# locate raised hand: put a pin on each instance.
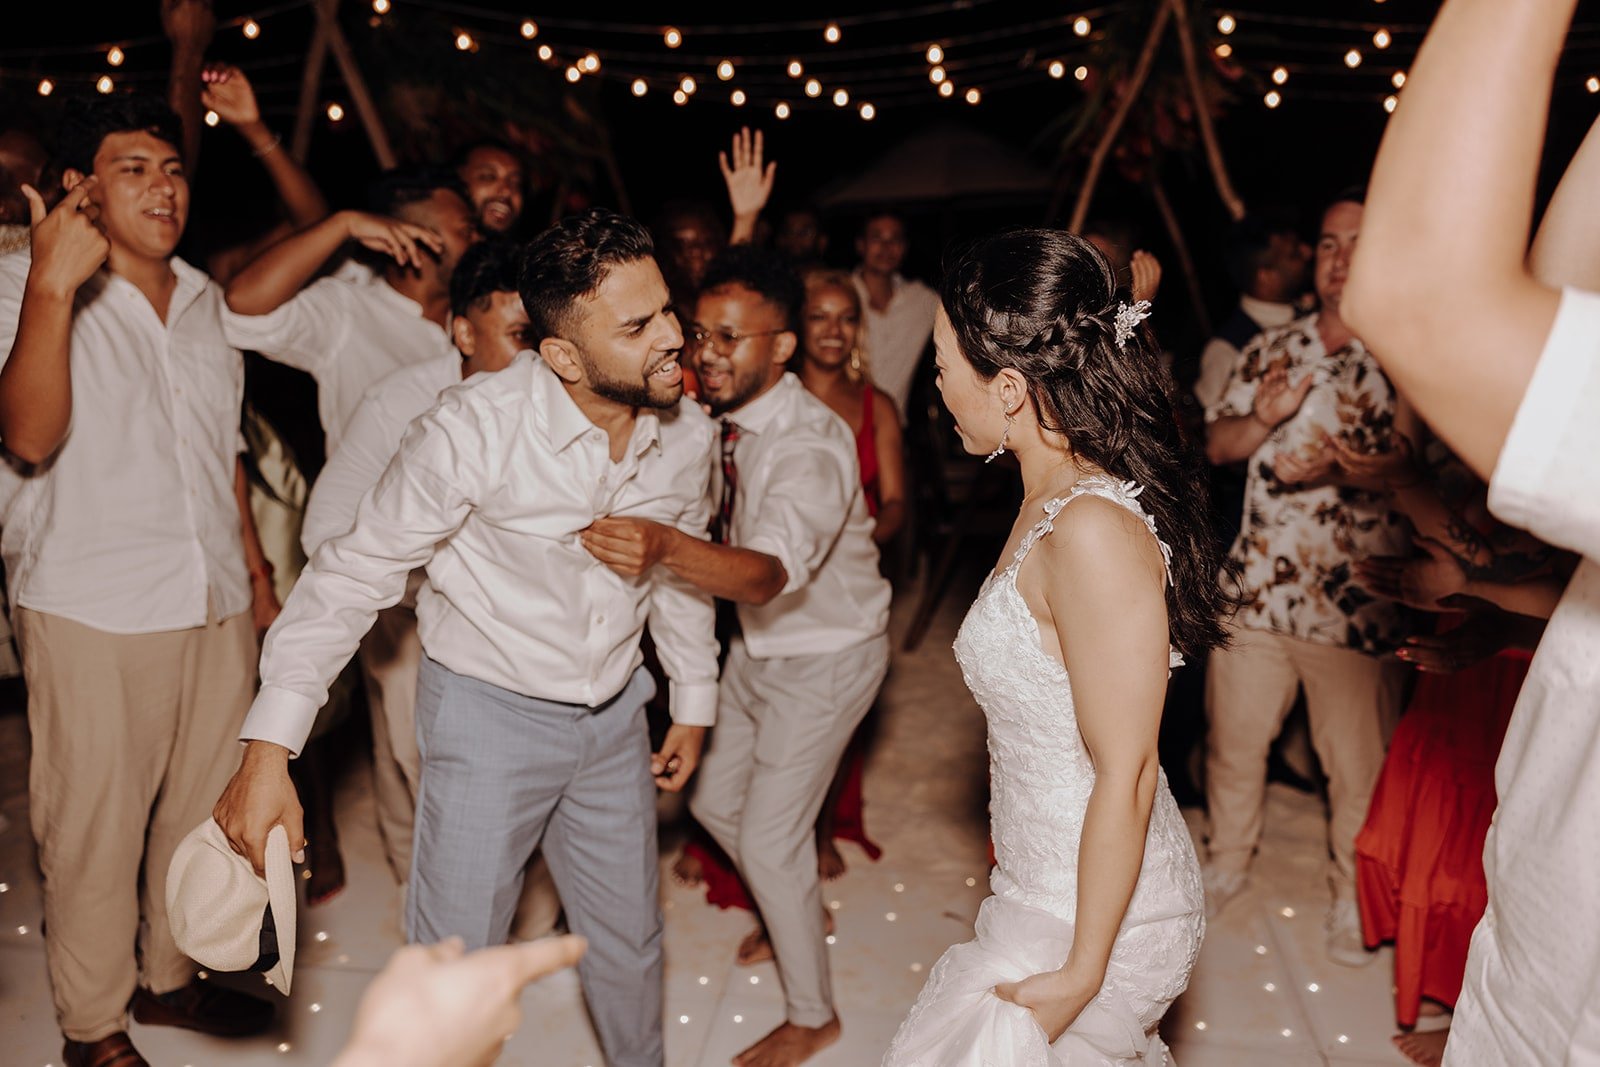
(227, 92)
(397, 239)
(68, 246)
(1276, 400)
(749, 182)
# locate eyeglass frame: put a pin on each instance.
(726, 340)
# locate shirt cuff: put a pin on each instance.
(692, 703)
(284, 718)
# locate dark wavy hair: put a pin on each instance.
(86, 123)
(571, 259)
(1044, 304)
(487, 268)
(399, 186)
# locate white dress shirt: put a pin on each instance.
(1220, 354)
(346, 336)
(897, 336)
(799, 498)
(1532, 987)
(133, 527)
(369, 442)
(489, 491)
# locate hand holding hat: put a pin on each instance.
(227, 917)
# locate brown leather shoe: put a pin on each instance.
(113, 1051)
(206, 1007)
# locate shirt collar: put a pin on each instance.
(758, 414)
(566, 422)
(1266, 312)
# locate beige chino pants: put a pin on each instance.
(1352, 703)
(134, 738)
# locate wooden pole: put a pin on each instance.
(1202, 113)
(1108, 138)
(371, 121)
(1180, 247)
(310, 84)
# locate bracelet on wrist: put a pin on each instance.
(271, 146)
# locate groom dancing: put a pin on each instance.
(798, 559)
(530, 698)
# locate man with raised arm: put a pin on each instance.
(531, 693)
(1501, 356)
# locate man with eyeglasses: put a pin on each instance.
(794, 551)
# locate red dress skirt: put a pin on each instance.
(1419, 857)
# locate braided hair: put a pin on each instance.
(1044, 303)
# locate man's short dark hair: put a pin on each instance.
(399, 186)
(1350, 194)
(86, 123)
(487, 268)
(571, 259)
(880, 211)
(767, 274)
(1248, 247)
(464, 152)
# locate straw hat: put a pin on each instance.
(225, 916)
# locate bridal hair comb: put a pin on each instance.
(1129, 316)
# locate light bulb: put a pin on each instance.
(251, 29)
(335, 113)
(1273, 98)
(782, 110)
(380, 7)
(464, 42)
(796, 68)
(46, 86)
(1352, 58)
(212, 118)
(1081, 73)
(868, 111)
(671, 37)
(831, 34)
(1223, 50)
(1280, 75)
(590, 63)
(935, 54)
(1081, 26)
(546, 53)
(115, 56)
(947, 88)
(737, 98)
(725, 69)
(1057, 69)
(1391, 102)
(640, 87)
(936, 75)
(688, 85)
(973, 96)
(1398, 80)
(1227, 24)
(573, 74)
(840, 98)
(813, 87)
(105, 84)
(1381, 39)
(679, 96)
(530, 29)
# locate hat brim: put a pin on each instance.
(281, 899)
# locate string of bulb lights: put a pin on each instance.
(833, 75)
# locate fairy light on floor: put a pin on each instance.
(755, 979)
(738, 1018)
(890, 916)
(530, 29)
(725, 70)
(251, 29)
(916, 968)
(283, 1046)
(1314, 987)
(1273, 99)
(1082, 26)
(1344, 1039)
(1286, 1032)
(1261, 950)
(704, 980)
(1287, 913)
(322, 935)
(315, 1008)
(335, 114)
(1201, 1025)
(935, 54)
(683, 1018)
(971, 882)
(1270, 987)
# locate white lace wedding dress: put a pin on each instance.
(1040, 778)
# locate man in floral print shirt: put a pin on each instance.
(1304, 622)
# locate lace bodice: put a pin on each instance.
(1041, 774)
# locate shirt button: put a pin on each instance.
(599, 620)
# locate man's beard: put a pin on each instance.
(640, 394)
(740, 392)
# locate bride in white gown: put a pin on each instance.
(1097, 910)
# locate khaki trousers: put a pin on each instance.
(1352, 703)
(390, 656)
(134, 738)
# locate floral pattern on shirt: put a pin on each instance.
(1296, 547)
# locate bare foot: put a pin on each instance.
(830, 864)
(789, 1045)
(326, 867)
(1426, 1049)
(688, 871)
(755, 948)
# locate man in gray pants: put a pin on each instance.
(798, 559)
(530, 697)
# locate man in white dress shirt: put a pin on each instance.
(348, 334)
(490, 326)
(530, 698)
(798, 559)
(134, 567)
(899, 310)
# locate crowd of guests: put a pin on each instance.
(493, 531)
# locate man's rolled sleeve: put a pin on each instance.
(808, 498)
(683, 619)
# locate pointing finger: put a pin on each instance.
(36, 208)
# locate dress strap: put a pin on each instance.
(1124, 494)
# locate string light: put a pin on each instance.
(796, 68)
(1391, 102)
(1227, 24)
(640, 87)
(1273, 98)
(335, 113)
(935, 54)
(530, 29)
(973, 96)
(840, 98)
(590, 63)
(1280, 75)
(1081, 73)
(251, 29)
(465, 43)
(936, 75)
(1399, 79)
(737, 98)
(782, 110)
(1081, 26)
(212, 118)
(46, 86)
(831, 34)
(688, 85)
(725, 69)
(115, 56)
(1593, 84)
(1224, 50)
(380, 7)
(1352, 58)
(546, 53)
(672, 37)
(573, 74)
(947, 88)
(679, 96)
(105, 84)
(1057, 69)
(1381, 39)
(868, 111)
(813, 88)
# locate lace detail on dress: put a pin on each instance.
(1040, 780)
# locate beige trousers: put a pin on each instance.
(1352, 703)
(134, 738)
(390, 656)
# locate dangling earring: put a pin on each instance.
(1000, 449)
(855, 360)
